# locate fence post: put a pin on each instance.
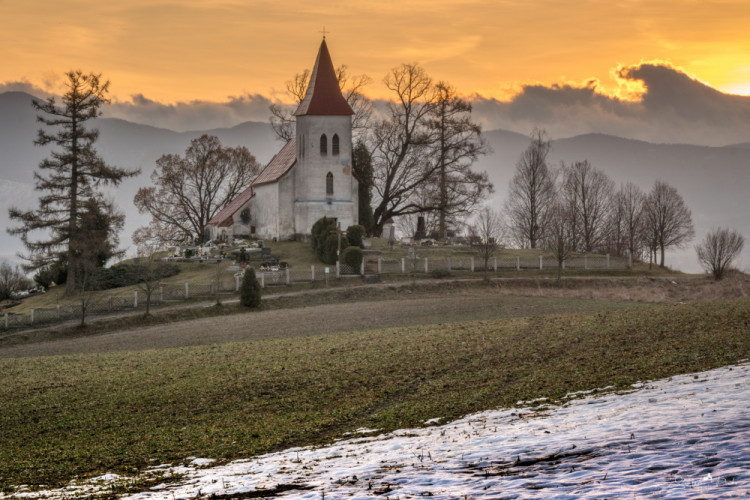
(187, 290)
(262, 280)
(287, 275)
(135, 299)
(403, 265)
(426, 265)
(362, 267)
(563, 264)
(607, 261)
(494, 263)
(518, 262)
(161, 294)
(472, 263)
(312, 273)
(380, 264)
(6, 320)
(541, 262)
(58, 311)
(338, 271)
(32, 316)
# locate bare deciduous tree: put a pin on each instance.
(588, 192)
(560, 237)
(12, 280)
(531, 192)
(188, 191)
(668, 220)
(401, 144)
(631, 201)
(422, 152)
(718, 250)
(489, 229)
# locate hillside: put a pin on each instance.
(713, 180)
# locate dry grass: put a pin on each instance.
(86, 414)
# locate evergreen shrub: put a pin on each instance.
(356, 235)
(250, 289)
(352, 257)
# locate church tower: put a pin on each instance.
(323, 181)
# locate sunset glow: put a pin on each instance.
(173, 51)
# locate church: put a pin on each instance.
(309, 178)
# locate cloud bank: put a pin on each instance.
(671, 108)
(668, 107)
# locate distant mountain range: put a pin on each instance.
(714, 181)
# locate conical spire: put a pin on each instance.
(323, 95)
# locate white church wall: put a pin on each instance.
(311, 199)
(264, 210)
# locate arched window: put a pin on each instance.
(335, 145)
(323, 145)
(329, 184)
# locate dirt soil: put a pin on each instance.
(397, 305)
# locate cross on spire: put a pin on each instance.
(324, 32)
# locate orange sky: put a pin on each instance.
(182, 50)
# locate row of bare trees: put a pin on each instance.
(578, 208)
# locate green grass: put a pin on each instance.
(82, 415)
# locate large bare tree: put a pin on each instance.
(352, 86)
(531, 193)
(423, 150)
(668, 221)
(188, 191)
(401, 144)
(718, 250)
(74, 172)
(588, 192)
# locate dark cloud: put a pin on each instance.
(673, 108)
(192, 115)
(24, 86)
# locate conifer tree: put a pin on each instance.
(71, 175)
(250, 294)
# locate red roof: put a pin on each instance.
(224, 217)
(279, 164)
(323, 95)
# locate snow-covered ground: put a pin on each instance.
(688, 436)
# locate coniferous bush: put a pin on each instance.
(352, 257)
(327, 252)
(320, 231)
(250, 289)
(356, 235)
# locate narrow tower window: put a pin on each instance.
(323, 145)
(329, 184)
(335, 145)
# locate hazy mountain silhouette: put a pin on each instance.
(714, 181)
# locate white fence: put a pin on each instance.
(177, 292)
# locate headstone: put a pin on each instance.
(421, 232)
